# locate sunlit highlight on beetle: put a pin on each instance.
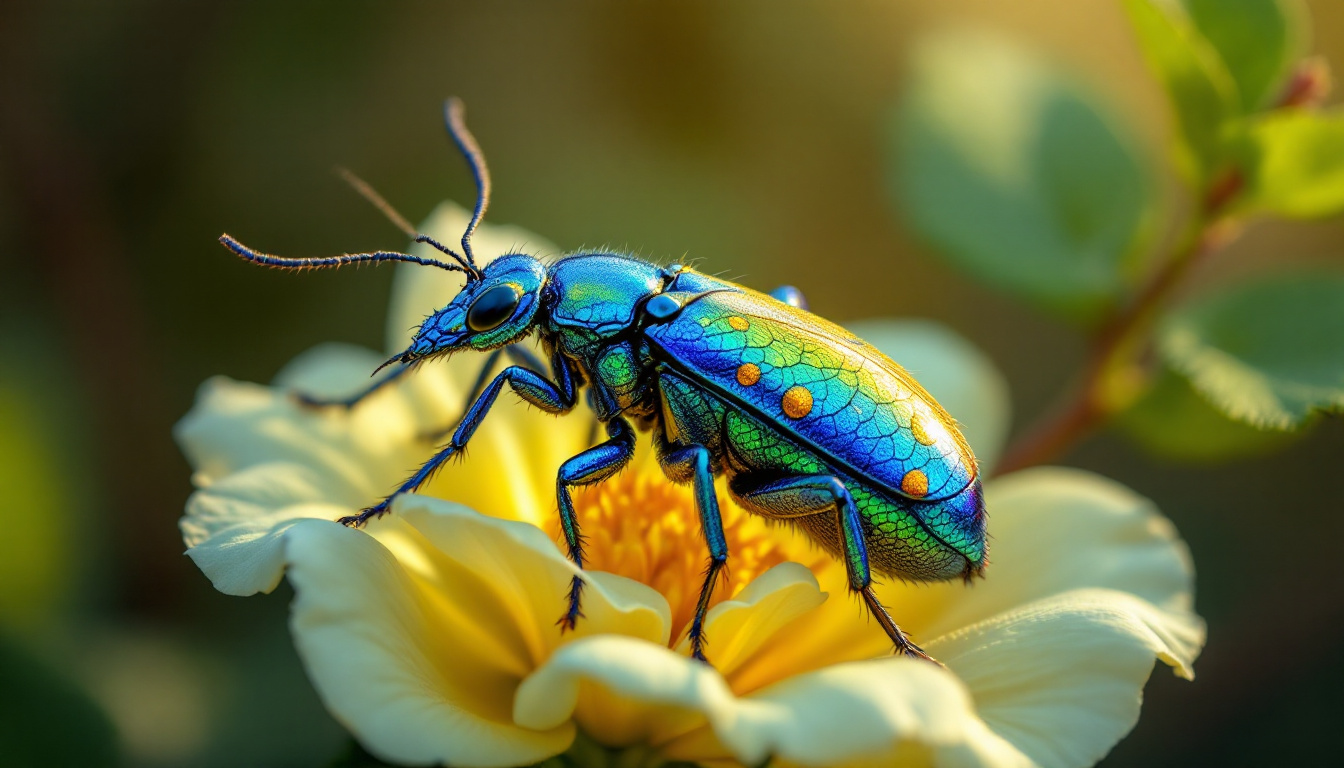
(811, 425)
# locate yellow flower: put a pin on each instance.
(432, 635)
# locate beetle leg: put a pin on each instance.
(790, 295)
(592, 466)
(795, 497)
(550, 397)
(517, 353)
(312, 401)
(694, 461)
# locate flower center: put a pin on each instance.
(642, 526)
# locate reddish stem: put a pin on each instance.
(1088, 408)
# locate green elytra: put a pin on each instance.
(811, 425)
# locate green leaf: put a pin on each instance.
(1294, 163)
(1016, 174)
(1202, 92)
(1172, 421)
(1258, 41)
(1268, 353)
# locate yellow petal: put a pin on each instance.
(1062, 678)
(621, 691)
(417, 635)
(624, 692)
(737, 628)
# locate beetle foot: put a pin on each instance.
(358, 521)
(915, 652)
(574, 612)
(697, 638)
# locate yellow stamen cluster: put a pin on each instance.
(641, 526)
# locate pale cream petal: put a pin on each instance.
(958, 375)
(623, 692)
(391, 662)
(234, 425)
(417, 633)
(1097, 533)
(881, 712)
(235, 528)
(1062, 678)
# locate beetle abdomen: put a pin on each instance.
(917, 540)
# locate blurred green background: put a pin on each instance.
(753, 136)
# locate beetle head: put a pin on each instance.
(496, 309)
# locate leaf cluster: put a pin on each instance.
(1021, 175)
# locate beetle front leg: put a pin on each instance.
(818, 494)
(694, 462)
(592, 466)
(312, 401)
(549, 397)
(520, 356)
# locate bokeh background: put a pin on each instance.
(753, 136)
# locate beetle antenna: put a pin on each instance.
(267, 260)
(466, 143)
(377, 201)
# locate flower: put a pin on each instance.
(431, 634)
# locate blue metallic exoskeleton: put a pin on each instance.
(809, 423)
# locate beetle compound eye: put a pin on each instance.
(492, 308)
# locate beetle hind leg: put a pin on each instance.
(795, 497)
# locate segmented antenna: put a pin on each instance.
(466, 143)
(377, 201)
(281, 262)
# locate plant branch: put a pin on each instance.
(1118, 344)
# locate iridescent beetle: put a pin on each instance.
(810, 424)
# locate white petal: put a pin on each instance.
(959, 376)
(417, 635)
(1062, 678)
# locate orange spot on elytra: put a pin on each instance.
(738, 323)
(797, 402)
(748, 374)
(915, 483)
(921, 434)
